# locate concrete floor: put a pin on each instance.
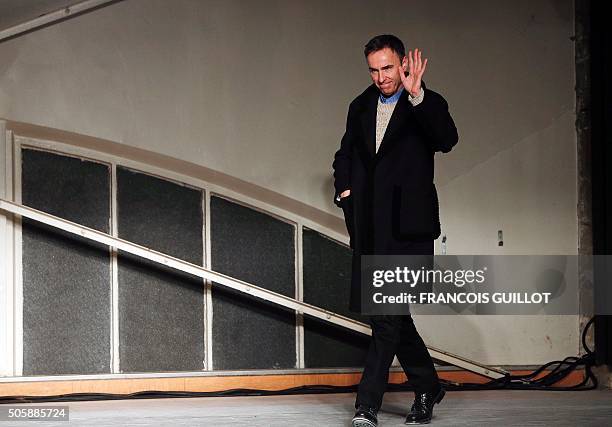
(459, 408)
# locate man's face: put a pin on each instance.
(384, 68)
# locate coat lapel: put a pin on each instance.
(368, 121)
(398, 117)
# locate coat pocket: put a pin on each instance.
(415, 211)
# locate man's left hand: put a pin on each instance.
(416, 68)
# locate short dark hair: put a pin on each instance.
(383, 41)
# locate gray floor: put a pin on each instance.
(474, 408)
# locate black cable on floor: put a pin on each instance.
(509, 382)
(529, 381)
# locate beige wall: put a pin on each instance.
(259, 90)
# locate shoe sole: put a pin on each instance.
(362, 422)
(439, 398)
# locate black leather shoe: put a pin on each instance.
(365, 417)
(422, 408)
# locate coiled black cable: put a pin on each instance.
(530, 382)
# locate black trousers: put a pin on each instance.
(396, 335)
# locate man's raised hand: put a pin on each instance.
(416, 68)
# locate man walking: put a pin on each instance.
(383, 177)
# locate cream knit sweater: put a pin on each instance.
(384, 112)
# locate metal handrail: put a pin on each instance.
(228, 281)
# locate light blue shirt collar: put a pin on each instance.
(393, 98)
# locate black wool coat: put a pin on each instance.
(393, 199)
